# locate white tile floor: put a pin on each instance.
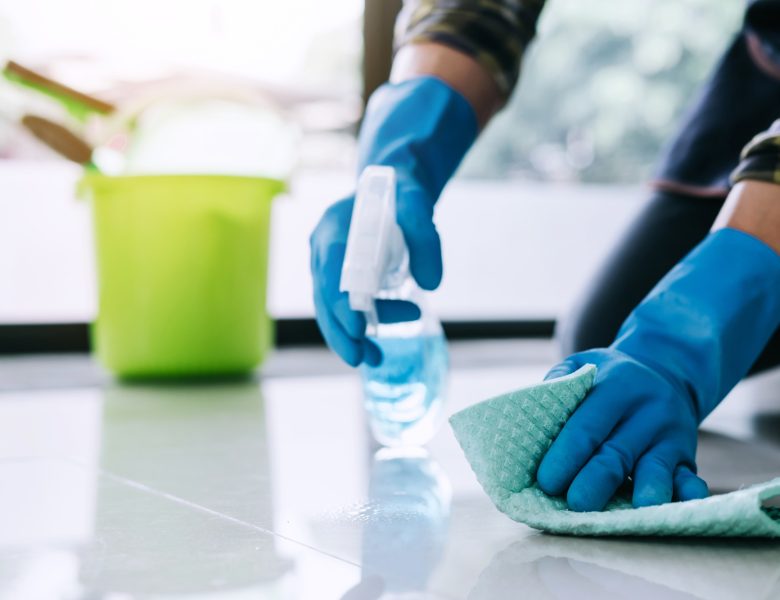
(271, 489)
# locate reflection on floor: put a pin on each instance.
(272, 488)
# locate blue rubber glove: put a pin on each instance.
(675, 358)
(422, 128)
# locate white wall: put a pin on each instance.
(512, 250)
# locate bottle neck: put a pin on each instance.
(427, 324)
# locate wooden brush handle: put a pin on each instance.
(55, 86)
(59, 138)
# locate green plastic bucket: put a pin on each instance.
(182, 263)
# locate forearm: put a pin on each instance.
(460, 71)
(707, 320)
(753, 206)
(715, 311)
(476, 47)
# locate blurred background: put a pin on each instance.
(277, 88)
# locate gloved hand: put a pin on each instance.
(675, 358)
(634, 422)
(422, 128)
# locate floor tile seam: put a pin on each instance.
(212, 512)
(192, 506)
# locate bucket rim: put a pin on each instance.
(92, 180)
(200, 176)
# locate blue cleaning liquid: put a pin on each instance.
(403, 395)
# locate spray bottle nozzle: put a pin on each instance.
(375, 245)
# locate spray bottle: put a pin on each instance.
(404, 394)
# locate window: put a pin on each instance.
(559, 174)
(603, 88)
(305, 54)
(302, 42)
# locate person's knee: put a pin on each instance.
(584, 327)
(666, 229)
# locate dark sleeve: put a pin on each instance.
(712, 148)
(761, 158)
(762, 27)
(494, 32)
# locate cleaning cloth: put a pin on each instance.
(505, 438)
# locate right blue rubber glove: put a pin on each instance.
(422, 128)
(676, 357)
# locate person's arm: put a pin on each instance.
(476, 47)
(494, 33)
(461, 72)
(753, 206)
(457, 63)
(678, 354)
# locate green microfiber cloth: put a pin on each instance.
(505, 438)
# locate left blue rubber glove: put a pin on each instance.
(422, 128)
(676, 357)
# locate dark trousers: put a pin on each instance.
(668, 227)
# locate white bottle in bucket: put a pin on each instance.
(404, 394)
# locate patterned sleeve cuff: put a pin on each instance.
(494, 32)
(760, 158)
